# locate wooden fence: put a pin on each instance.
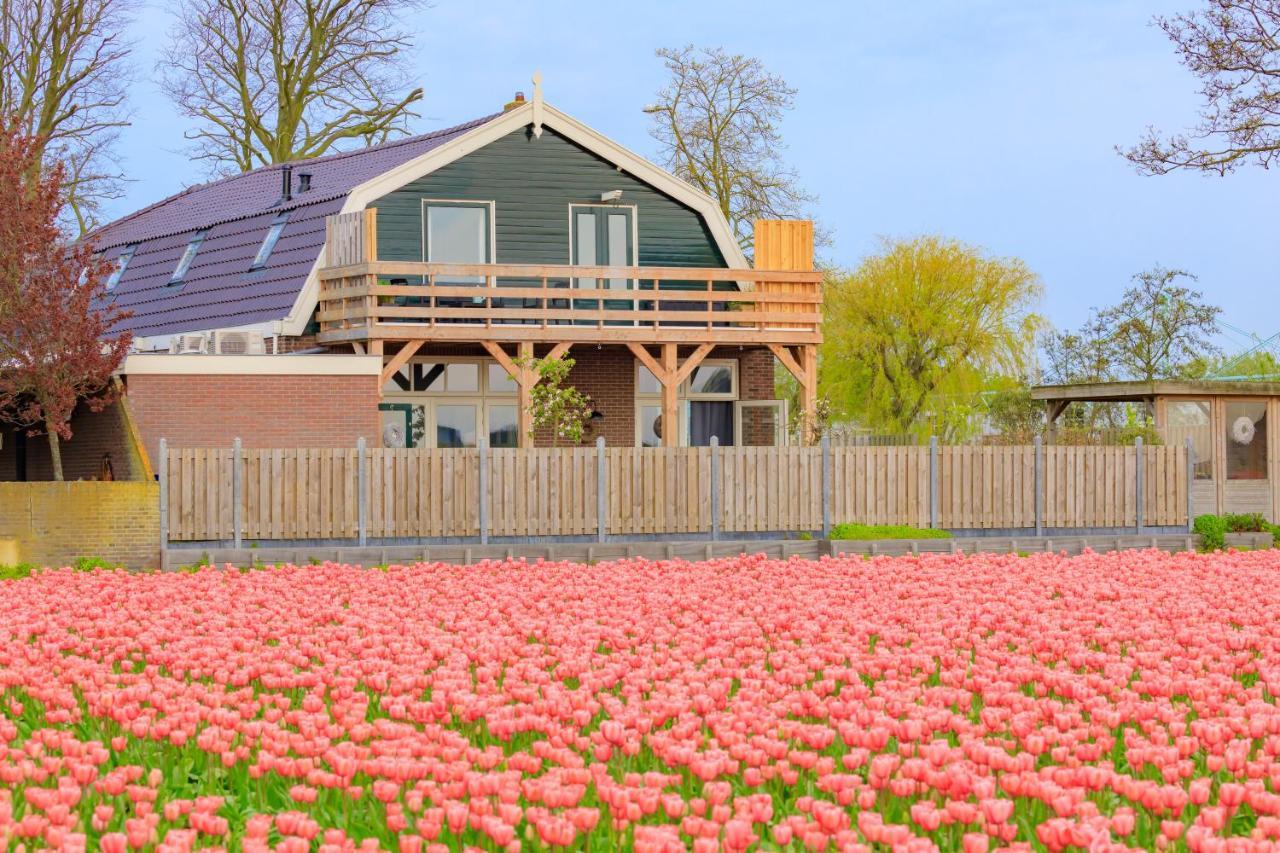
(327, 494)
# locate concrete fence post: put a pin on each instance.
(1140, 487)
(237, 493)
(482, 447)
(933, 481)
(1191, 482)
(163, 462)
(362, 493)
(1038, 486)
(826, 486)
(602, 491)
(715, 487)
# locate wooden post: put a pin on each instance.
(362, 493)
(237, 492)
(809, 396)
(826, 487)
(670, 413)
(715, 487)
(602, 491)
(1039, 485)
(1140, 487)
(482, 445)
(933, 481)
(524, 382)
(1191, 482)
(164, 501)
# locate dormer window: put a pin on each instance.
(122, 263)
(188, 255)
(269, 242)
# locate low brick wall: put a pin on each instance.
(52, 524)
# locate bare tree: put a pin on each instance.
(1233, 47)
(717, 124)
(63, 76)
(269, 81)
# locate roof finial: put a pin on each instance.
(537, 104)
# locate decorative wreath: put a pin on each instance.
(1243, 430)
(392, 436)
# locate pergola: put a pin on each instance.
(1237, 458)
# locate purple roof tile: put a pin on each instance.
(219, 290)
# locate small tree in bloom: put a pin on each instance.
(561, 408)
(56, 341)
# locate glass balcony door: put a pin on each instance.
(603, 236)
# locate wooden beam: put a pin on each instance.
(525, 383)
(505, 361)
(357, 347)
(809, 394)
(398, 360)
(783, 354)
(658, 371)
(559, 350)
(691, 363)
(670, 411)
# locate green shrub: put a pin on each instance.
(1212, 530)
(16, 572)
(1240, 523)
(885, 531)
(88, 564)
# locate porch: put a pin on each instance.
(670, 319)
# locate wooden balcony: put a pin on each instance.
(368, 302)
(363, 299)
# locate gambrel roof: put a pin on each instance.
(220, 291)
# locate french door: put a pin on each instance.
(602, 236)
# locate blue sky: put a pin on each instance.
(992, 121)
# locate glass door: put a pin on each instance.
(603, 236)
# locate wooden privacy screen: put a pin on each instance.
(313, 494)
(785, 245)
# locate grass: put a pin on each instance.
(885, 531)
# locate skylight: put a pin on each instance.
(122, 263)
(189, 255)
(269, 242)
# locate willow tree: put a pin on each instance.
(919, 329)
(1233, 48)
(269, 81)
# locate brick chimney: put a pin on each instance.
(517, 101)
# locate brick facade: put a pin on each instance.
(607, 374)
(94, 435)
(262, 410)
(53, 524)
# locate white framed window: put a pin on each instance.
(458, 231)
(452, 403)
(269, 241)
(706, 408)
(188, 255)
(122, 264)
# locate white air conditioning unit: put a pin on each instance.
(239, 343)
(190, 345)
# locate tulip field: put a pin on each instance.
(941, 702)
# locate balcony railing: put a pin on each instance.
(394, 300)
(362, 298)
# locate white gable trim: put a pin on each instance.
(362, 195)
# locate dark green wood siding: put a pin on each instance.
(532, 182)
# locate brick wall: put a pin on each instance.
(52, 524)
(263, 411)
(93, 436)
